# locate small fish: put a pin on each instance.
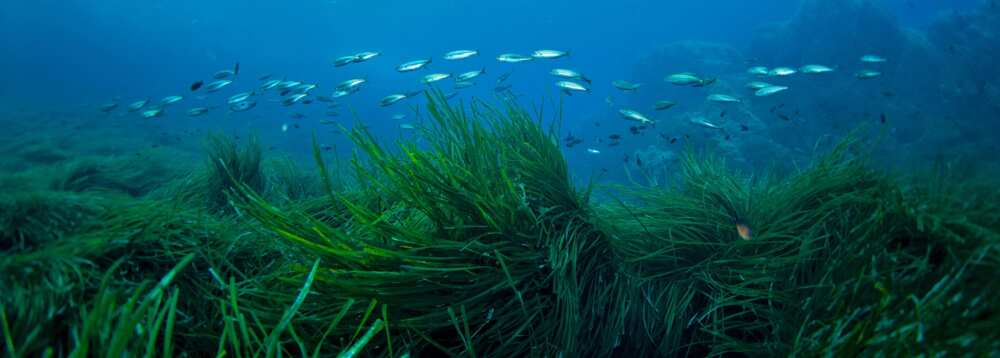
(673, 140)
(662, 105)
(197, 111)
(391, 99)
(626, 85)
(168, 100)
(743, 230)
(815, 69)
(873, 59)
(867, 74)
(503, 77)
(344, 61)
(297, 115)
(270, 84)
(758, 71)
(223, 74)
(460, 54)
(293, 99)
(239, 97)
(614, 137)
(756, 85)
(704, 123)
(593, 151)
(324, 99)
(340, 93)
(407, 126)
(722, 114)
(350, 84)
(744, 128)
(633, 115)
(501, 88)
(434, 77)
(288, 84)
(570, 74)
(413, 65)
(284, 127)
(466, 76)
(303, 88)
(196, 85)
(327, 122)
(464, 84)
(781, 72)
(450, 95)
(638, 160)
(688, 79)
(723, 98)
(137, 105)
(882, 117)
(242, 106)
(549, 54)
(365, 56)
(108, 107)
(513, 58)
(398, 117)
(152, 113)
(264, 77)
(332, 114)
(769, 90)
(571, 86)
(217, 85)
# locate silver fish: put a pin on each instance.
(303, 88)
(413, 65)
(152, 113)
(513, 58)
(723, 98)
(398, 117)
(593, 151)
(662, 105)
(344, 61)
(867, 74)
(351, 83)
(434, 77)
(549, 54)
(170, 100)
(758, 71)
(873, 59)
(407, 126)
(217, 85)
(633, 115)
(464, 84)
(270, 84)
(223, 74)
(781, 72)
(815, 69)
(572, 86)
(293, 99)
(769, 90)
(570, 74)
(288, 84)
(626, 85)
(460, 54)
(391, 99)
(197, 111)
(465, 76)
(108, 107)
(239, 97)
(137, 105)
(701, 121)
(756, 85)
(684, 79)
(365, 56)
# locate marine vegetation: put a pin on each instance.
(475, 241)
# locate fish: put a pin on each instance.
(744, 128)
(398, 117)
(196, 85)
(293, 99)
(701, 121)
(743, 230)
(781, 72)
(769, 90)
(407, 126)
(815, 69)
(569, 74)
(756, 85)
(434, 77)
(662, 105)
(152, 113)
(239, 97)
(571, 86)
(108, 107)
(688, 79)
(284, 127)
(217, 85)
(391, 99)
(264, 77)
(324, 99)
(873, 59)
(615, 137)
(303, 88)
(340, 93)
(549, 54)
(464, 84)
(882, 118)
(867, 74)
(270, 84)
(327, 122)
(513, 58)
(351, 83)
(137, 105)
(242, 106)
(503, 77)
(344, 61)
(758, 71)
(460, 54)
(168, 100)
(501, 88)
(450, 95)
(297, 115)
(332, 113)
(365, 56)
(626, 85)
(288, 84)
(197, 111)
(413, 65)
(466, 76)
(593, 151)
(723, 98)
(223, 74)
(633, 115)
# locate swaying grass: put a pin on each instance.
(476, 243)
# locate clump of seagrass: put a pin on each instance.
(228, 166)
(840, 262)
(481, 245)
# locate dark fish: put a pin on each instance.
(882, 117)
(783, 116)
(673, 140)
(264, 77)
(296, 125)
(308, 101)
(597, 124)
(615, 137)
(723, 114)
(285, 92)
(727, 137)
(638, 161)
(196, 85)
(743, 127)
(236, 69)
(503, 77)
(888, 94)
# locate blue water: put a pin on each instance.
(72, 56)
